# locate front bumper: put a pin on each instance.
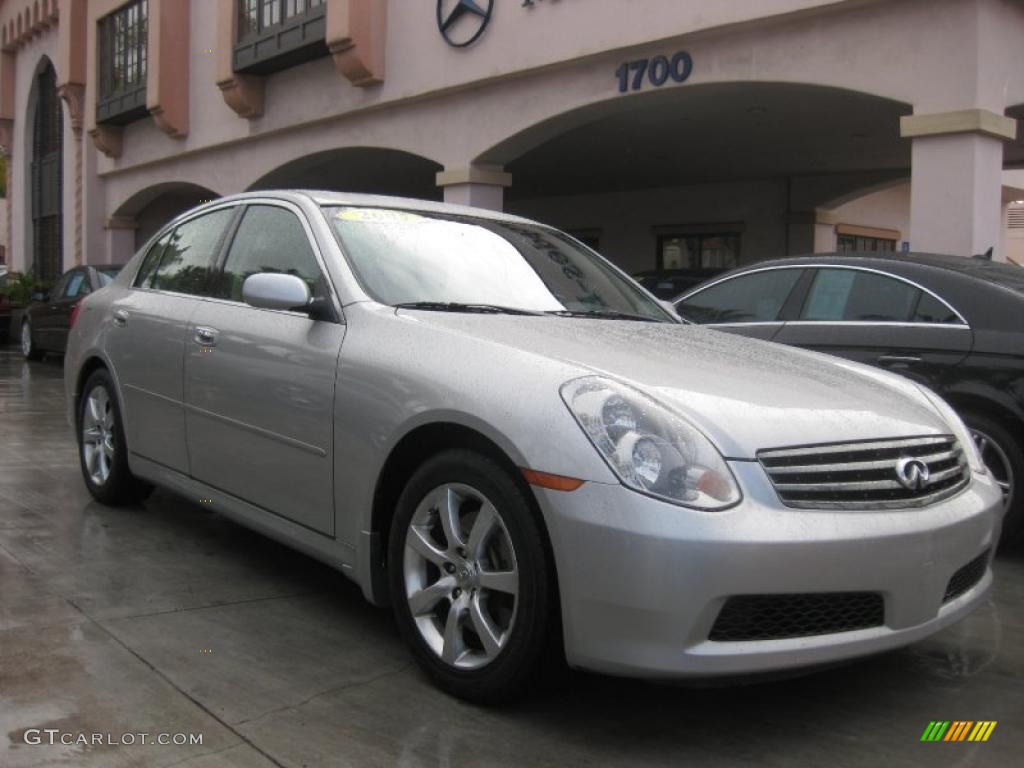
(642, 581)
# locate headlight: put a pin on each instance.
(959, 430)
(648, 447)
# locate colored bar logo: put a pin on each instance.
(958, 730)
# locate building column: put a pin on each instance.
(480, 186)
(120, 240)
(956, 180)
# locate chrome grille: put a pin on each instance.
(866, 475)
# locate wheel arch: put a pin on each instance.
(415, 447)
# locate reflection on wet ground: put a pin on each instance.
(166, 618)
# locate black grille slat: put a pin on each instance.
(774, 617)
(863, 475)
(966, 578)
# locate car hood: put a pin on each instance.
(745, 394)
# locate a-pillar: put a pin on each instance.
(120, 240)
(481, 186)
(956, 180)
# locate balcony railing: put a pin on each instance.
(277, 34)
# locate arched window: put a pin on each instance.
(47, 145)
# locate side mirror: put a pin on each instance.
(40, 297)
(275, 290)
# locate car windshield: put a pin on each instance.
(461, 263)
(107, 274)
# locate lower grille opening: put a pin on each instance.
(772, 617)
(967, 577)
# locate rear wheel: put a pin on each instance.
(28, 346)
(469, 577)
(102, 448)
(1004, 457)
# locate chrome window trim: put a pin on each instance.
(963, 322)
(190, 215)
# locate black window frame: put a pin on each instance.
(659, 257)
(119, 104)
(287, 38)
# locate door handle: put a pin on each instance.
(899, 359)
(206, 337)
(121, 318)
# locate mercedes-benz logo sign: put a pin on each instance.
(912, 473)
(463, 21)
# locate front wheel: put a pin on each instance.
(28, 346)
(469, 577)
(102, 447)
(1004, 457)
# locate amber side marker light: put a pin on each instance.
(552, 482)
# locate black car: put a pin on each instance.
(49, 317)
(669, 283)
(951, 323)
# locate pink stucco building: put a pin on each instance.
(669, 133)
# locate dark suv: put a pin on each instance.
(951, 323)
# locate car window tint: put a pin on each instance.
(931, 310)
(851, 295)
(73, 287)
(151, 261)
(58, 290)
(269, 239)
(752, 298)
(186, 260)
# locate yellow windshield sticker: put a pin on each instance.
(377, 216)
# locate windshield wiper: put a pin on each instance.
(606, 314)
(455, 306)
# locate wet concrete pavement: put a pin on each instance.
(167, 619)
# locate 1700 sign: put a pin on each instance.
(657, 71)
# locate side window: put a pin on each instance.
(752, 298)
(151, 261)
(931, 310)
(269, 239)
(75, 286)
(847, 294)
(187, 260)
(58, 290)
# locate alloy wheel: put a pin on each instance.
(98, 435)
(998, 464)
(461, 578)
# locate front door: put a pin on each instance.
(259, 383)
(881, 320)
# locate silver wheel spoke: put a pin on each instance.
(419, 540)
(448, 509)
(424, 601)
(486, 520)
(489, 635)
(500, 581)
(454, 644)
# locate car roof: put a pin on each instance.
(327, 197)
(995, 273)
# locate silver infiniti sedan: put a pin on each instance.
(488, 426)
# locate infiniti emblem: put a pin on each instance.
(461, 22)
(912, 473)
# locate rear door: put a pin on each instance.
(259, 383)
(148, 338)
(879, 319)
(750, 304)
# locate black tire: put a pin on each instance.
(28, 343)
(120, 485)
(516, 665)
(1011, 449)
